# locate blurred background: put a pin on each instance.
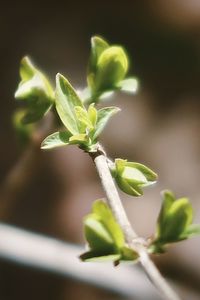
(158, 127)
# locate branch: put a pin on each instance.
(131, 237)
(58, 257)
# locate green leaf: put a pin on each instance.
(177, 219)
(66, 100)
(83, 118)
(129, 85)
(174, 223)
(191, 230)
(35, 90)
(78, 139)
(35, 111)
(98, 45)
(27, 69)
(102, 210)
(97, 235)
(168, 200)
(92, 114)
(57, 139)
(131, 177)
(105, 237)
(103, 115)
(112, 67)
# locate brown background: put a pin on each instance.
(159, 126)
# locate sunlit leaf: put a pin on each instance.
(92, 114)
(191, 231)
(83, 118)
(174, 223)
(101, 209)
(66, 100)
(131, 177)
(105, 237)
(112, 67)
(129, 85)
(97, 235)
(98, 45)
(78, 138)
(35, 90)
(103, 116)
(56, 139)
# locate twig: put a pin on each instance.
(131, 237)
(52, 255)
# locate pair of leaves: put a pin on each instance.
(35, 90)
(174, 222)
(131, 177)
(105, 237)
(108, 66)
(83, 126)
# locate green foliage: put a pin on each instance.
(35, 90)
(105, 237)
(66, 101)
(107, 69)
(56, 139)
(174, 222)
(83, 125)
(131, 177)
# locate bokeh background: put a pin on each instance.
(158, 127)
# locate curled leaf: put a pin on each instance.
(35, 90)
(105, 237)
(174, 222)
(131, 177)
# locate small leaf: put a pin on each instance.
(131, 177)
(129, 85)
(57, 139)
(179, 216)
(104, 236)
(191, 230)
(168, 200)
(98, 45)
(97, 235)
(150, 176)
(92, 114)
(174, 223)
(78, 139)
(103, 115)
(83, 118)
(66, 100)
(112, 67)
(35, 90)
(101, 209)
(27, 70)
